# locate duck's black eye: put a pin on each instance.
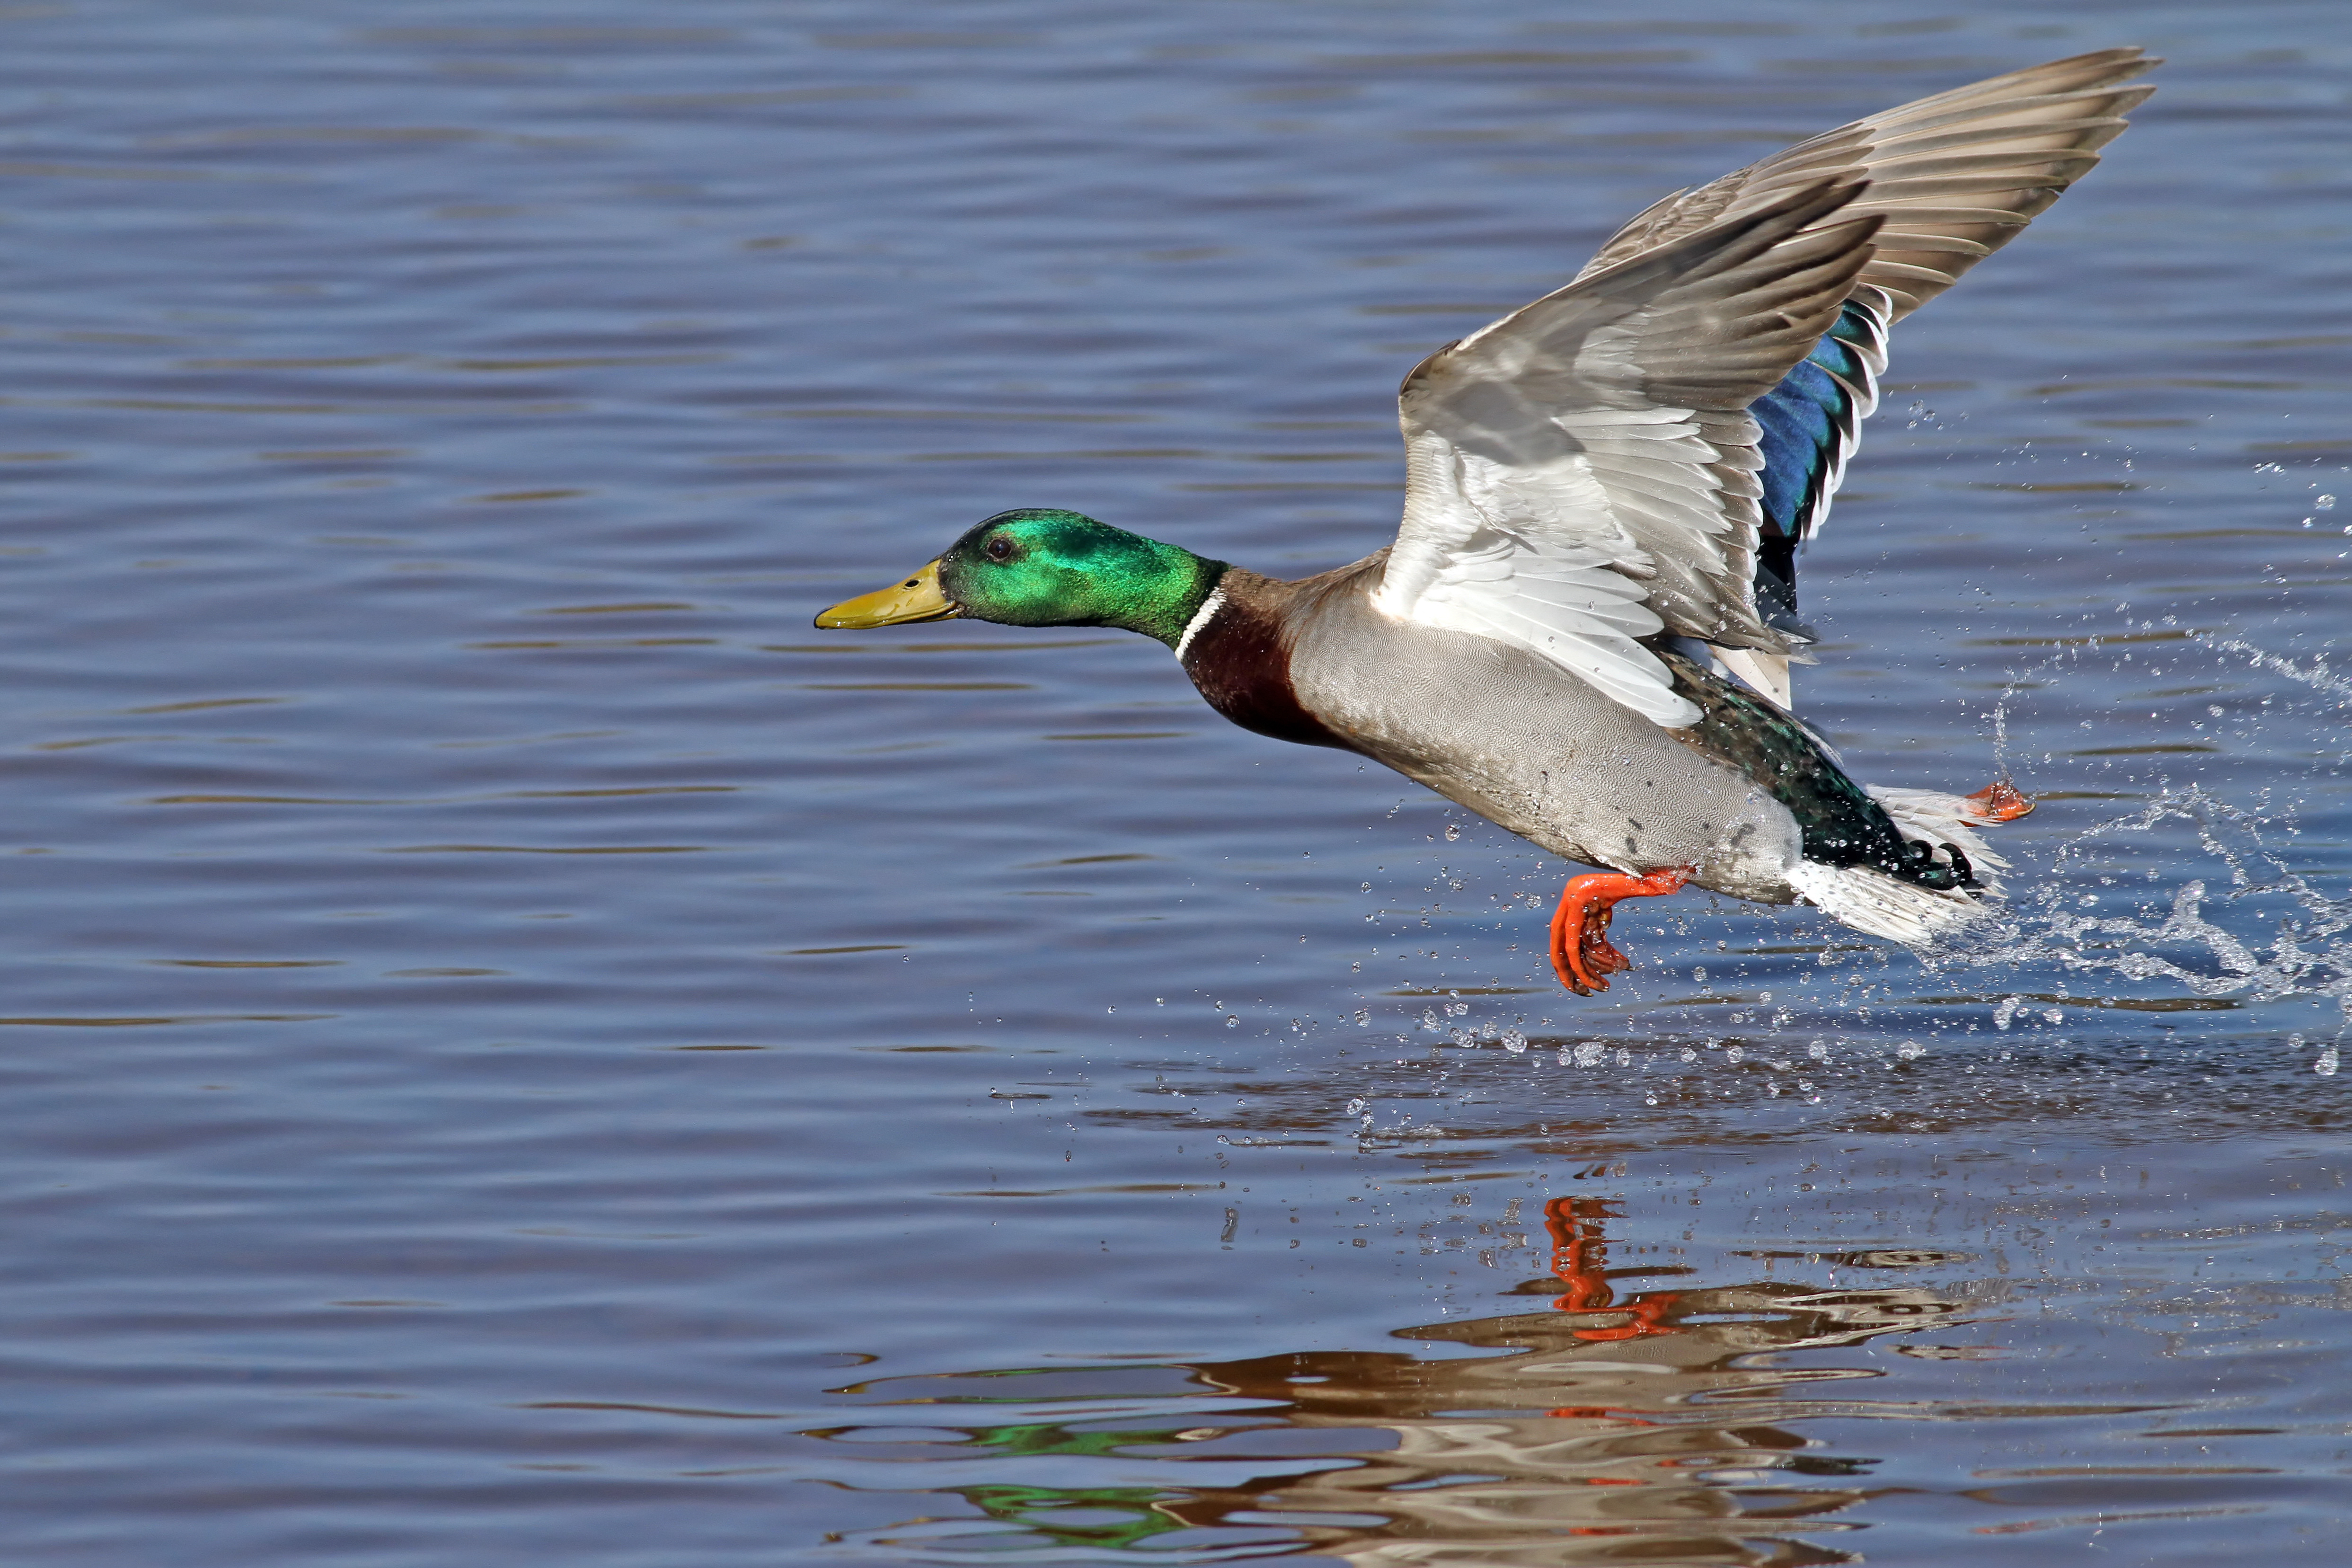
(999, 548)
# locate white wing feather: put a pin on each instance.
(1583, 474)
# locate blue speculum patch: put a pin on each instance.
(1809, 421)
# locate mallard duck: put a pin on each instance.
(1583, 629)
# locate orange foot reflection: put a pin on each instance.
(1580, 1256)
(1580, 951)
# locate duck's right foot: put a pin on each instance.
(1997, 802)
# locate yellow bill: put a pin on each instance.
(916, 599)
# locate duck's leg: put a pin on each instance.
(1581, 953)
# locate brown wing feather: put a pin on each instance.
(1954, 176)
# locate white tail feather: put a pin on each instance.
(1876, 903)
(1930, 816)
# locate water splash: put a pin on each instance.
(2317, 675)
(2305, 952)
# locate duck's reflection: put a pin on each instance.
(1616, 1425)
(1621, 1416)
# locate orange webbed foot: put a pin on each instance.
(1999, 801)
(1581, 954)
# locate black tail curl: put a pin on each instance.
(1920, 866)
(1841, 823)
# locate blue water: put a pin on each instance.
(516, 1050)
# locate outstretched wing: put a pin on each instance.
(1584, 472)
(1602, 466)
(1955, 176)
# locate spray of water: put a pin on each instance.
(2305, 949)
(2190, 895)
(2315, 674)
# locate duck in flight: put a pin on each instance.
(1583, 629)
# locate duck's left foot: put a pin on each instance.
(1580, 951)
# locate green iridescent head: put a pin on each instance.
(1038, 567)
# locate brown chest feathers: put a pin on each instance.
(1238, 654)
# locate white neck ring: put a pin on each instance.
(1201, 617)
